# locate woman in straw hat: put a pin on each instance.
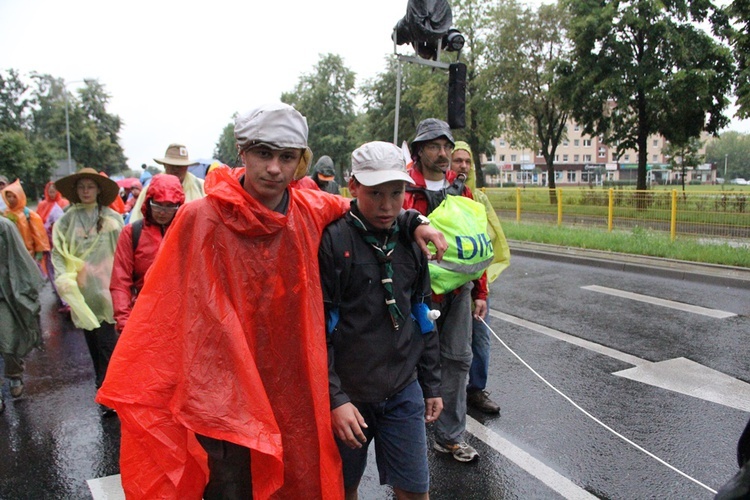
(84, 243)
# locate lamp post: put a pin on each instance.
(726, 155)
(67, 122)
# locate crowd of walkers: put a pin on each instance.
(271, 328)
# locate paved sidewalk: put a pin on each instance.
(730, 276)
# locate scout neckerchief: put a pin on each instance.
(384, 253)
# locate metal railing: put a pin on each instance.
(721, 214)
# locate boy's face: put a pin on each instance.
(268, 172)
(380, 204)
(11, 199)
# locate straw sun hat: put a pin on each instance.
(109, 188)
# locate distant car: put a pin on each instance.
(739, 181)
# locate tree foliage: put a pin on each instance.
(326, 98)
(526, 48)
(32, 125)
(733, 147)
(739, 11)
(645, 67)
(226, 147)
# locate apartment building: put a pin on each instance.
(581, 159)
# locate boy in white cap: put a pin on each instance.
(373, 278)
(228, 348)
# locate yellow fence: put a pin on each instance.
(722, 214)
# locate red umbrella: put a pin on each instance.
(128, 182)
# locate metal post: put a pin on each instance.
(67, 128)
(398, 101)
(725, 167)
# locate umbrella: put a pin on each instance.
(128, 182)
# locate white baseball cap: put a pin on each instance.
(377, 162)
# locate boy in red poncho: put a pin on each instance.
(226, 342)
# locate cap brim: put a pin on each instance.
(381, 177)
(326, 177)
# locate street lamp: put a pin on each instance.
(67, 122)
(725, 167)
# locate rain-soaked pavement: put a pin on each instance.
(670, 379)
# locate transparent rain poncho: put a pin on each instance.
(84, 242)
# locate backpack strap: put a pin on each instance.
(137, 229)
(435, 198)
(27, 213)
(341, 248)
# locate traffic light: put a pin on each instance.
(457, 95)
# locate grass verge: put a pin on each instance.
(639, 241)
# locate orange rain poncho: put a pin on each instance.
(227, 340)
(28, 222)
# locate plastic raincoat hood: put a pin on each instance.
(227, 340)
(163, 188)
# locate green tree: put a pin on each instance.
(226, 147)
(326, 98)
(473, 18)
(643, 68)
(94, 133)
(684, 156)
(424, 94)
(739, 10)
(732, 149)
(15, 103)
(526, 48)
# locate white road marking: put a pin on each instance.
(681, 306)
(106, 488)
(693, 379)
(554, 480)
(586, 344)
(679, 375)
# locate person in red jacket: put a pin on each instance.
(164, 198)
(431, 153)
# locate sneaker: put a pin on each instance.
(106, 411)
(16, 387)
(482, 402)
(462, 451)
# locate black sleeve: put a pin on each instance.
(329, 284)
(428, 370)
(408, 221)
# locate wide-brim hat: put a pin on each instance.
(109, 188)
(379, 162)
(176, 155)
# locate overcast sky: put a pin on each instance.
(177, 71)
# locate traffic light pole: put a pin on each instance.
(414, 60)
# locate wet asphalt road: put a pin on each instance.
(53, 439)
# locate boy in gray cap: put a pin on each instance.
(229, 348)
(373, 277)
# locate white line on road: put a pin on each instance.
(714, 313)
(586, 344)
(677, 375)
(545, 474)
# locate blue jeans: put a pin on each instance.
(397, 425)
(480, 349)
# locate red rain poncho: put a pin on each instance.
(45, 206)
(227, 340)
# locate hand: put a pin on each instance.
(432, 409)
(480, 309)
(428, 234)
(347, 425)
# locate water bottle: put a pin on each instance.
(425, 317)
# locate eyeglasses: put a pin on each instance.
(434, 147)
(162, 208)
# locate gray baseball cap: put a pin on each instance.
(377, 162)
(276, 125)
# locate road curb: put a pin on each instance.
(737, 277)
